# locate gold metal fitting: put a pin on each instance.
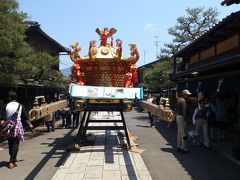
(169, 116)
(79, 105)
(33, 115)
(128, 106)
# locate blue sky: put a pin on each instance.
(138, 22)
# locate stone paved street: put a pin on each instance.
(103, 160)
(43, 156)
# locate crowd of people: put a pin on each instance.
(69, 115)
(206, 123)
(16, 118)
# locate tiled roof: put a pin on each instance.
(36, 26)
(230, 2)
(148, 65)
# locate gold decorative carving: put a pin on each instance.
(105, 51)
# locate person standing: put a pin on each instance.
(69, 118)
(17, 134)
(50, 122)
(151, 116)
(66, 117)
(50, 118)
(211, 118)
(182, 118)
(200, 121)
(76, 117)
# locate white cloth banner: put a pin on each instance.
(92, 92)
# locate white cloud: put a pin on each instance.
(150, 26)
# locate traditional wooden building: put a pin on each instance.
(210, 67)
(211, 63)
(41, 42)
(142, 69)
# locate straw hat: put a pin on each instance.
(185, 91)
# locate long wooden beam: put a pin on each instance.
(44, 110)
(158, 110)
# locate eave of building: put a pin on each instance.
(148, 65)
(226, 64)
(224, 29)
(34, 26)
(230, 2)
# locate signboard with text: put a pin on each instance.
(93, 92)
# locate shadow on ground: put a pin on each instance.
(200, 163)
(58, 149)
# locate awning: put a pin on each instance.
(213, 66)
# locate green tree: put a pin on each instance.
(19, 61)
(12, 35)
(157, 77)
(39, 69)
(197, 22)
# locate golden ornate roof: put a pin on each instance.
(103, 53)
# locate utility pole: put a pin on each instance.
(156, 42)
(144, 55)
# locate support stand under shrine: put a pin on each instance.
(118, 106)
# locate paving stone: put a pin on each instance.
(91, 138)
(111, 143)
(82, 158)
(92, 178)
(144, 175)
(125, 160)
(111, 146)
(60, 174)
(95, 162)
(110, 138)
(75, 176)
(97, 155)
(109, 151)
(128, 171)
(86, 148)
(139, 162)
(111, 166)
(77, 168)
(100, 139)
(108, 132)
(100, 132)
(69, 160)
(130, 178)
(93, 172)
(104, 160)
(81, 161)
(100, 148)
(111, 175)
(84, 153)
(111, 158)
